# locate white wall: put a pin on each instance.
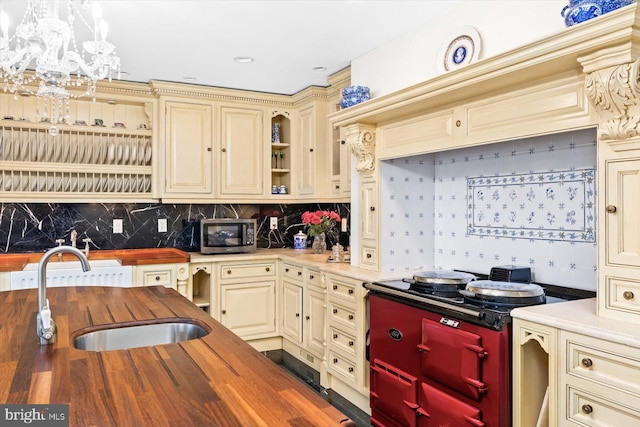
(503, 25)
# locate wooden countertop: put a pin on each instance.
(16, 262)
(216, 380)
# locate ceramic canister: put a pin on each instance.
(300, 241)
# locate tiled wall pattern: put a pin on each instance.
(443, 178)
(35, 227)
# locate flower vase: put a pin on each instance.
(319, 244)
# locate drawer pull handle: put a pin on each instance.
(351, 343)
(335, 287)
(157, 278)
(351, 317)
(224, 311)
(587, 409)
(350, 370)
(350, 291)
(611, 209)
(628, 295)
(335, 311)
(586, 362)
(267, 269)
(228, 271)
(335, 336)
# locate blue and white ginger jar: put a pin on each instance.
(582, 10)
(352, 95)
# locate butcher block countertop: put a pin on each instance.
(16, 262)
(217, 380)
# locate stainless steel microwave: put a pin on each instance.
(227, 235)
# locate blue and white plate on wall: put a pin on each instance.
(461, 48)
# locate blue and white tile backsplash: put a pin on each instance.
(529, 202)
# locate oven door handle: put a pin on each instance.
(482, 388)
(477, 349)
(474, 422)
(421, 412)
(411, 405)
(422, 347)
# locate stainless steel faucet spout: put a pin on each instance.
(46, 327)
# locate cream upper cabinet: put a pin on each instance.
(188, 149)
(242, 159)
(307, 160)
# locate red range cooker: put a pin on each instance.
(440, 346)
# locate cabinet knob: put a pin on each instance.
(307, 317)
(335, 336)
(350, 291)
(368, 255)
(611, 209)
(335, 287)
(208, 148)
(228, 271)
(224, 311)
(335, 360)
(343, 142)
(299, 273)
(335, 311)
(297, 314)
(586, 362)
(372, 208)
(350, 370)
(458, 123)
(267, 269)
(157, 278)
(587, 409)
(628, 295)
(311, 150)
(351, 343)
(286, 270)
(311, 276)
(351, 317)
(224, 150)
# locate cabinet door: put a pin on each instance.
(292, 311)
(307, 141)
(369, 214)
(188, 141)
(622, 228)
(249, 309)
(315, 323)
(241, 152)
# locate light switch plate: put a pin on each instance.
(162, 225)
(273, 223)
(117, 226)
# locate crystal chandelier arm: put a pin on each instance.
(96, 70)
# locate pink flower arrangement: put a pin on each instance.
(319, 222)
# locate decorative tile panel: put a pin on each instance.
(540, 206)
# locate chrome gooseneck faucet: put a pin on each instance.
(45, 325)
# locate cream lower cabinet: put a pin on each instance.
(369, 222)
(248, 298)
(303, 314)
(347, 367)
(562, 377)
(201, 287)
(175, 276)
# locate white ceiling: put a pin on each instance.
(171, 40)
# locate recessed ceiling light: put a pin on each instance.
(319, 68)
(243, 59)
(190, 78)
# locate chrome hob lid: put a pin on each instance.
(443, 277)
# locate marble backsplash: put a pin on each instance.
(35, 227)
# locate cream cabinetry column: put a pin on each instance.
(188, 149)
(241, 154)
(613, 87)
(175, 276)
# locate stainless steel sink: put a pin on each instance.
(125, 337)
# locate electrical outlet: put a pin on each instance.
(273, 223)
(117, 226)
(162, 225)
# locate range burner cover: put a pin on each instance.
(443, 277)
(503, 289)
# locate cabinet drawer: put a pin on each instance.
(587, 409)
(368, 255)
(292, 272)
(314, 279)
(236, 271)
(153, 278)
(342, 365)
(345, 341)
(342, 315)
(607, 363)
(343, 289)
(622, 294)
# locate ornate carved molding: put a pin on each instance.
(361, 140)
(615, 93)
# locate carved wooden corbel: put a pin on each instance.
(361, 140)
(615, 93)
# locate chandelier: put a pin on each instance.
(46, 45)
